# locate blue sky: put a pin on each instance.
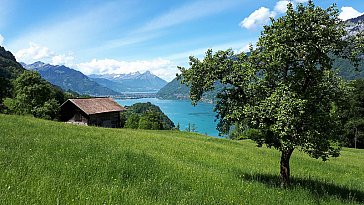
(99, 36)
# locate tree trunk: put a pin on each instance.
(285, 170)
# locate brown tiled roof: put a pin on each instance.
(97, 105)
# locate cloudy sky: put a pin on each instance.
(123, 36)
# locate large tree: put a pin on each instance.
(34, 96)
(284, 93)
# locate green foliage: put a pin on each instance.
(178, 126)
(150, 121)
(48, 111)
(286, 87)
(346, 69)
(354, 113)
(146, 116)
(45, 162)
(10, 105)
(191, 128)
(132, 121)
(33, 95)
(9, 70)
(5, 90)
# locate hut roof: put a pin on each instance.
(97, 105)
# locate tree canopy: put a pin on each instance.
(146, 116)
(285, 93)
(33, 95)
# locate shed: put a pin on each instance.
(102, 112)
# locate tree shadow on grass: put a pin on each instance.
(318, 188)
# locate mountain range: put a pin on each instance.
(69, 79)
(355, 25)
(132, 82)
(97, 85)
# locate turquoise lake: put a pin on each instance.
(183, 112)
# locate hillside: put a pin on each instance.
(348, 71)
(174, 90)
(70, 79)
(355, 25)
(10, 72)
(132, 82)
(45, 162)
(9, 67)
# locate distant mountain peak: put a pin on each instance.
(355, 25)
(131, 82)
(38, 64)
(356, 19)
(35, 66)
(69, 79)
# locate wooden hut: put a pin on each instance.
(103, 112)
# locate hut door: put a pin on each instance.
(106, 123)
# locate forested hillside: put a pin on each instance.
(25, 92)
(9, 70)
(146, 116)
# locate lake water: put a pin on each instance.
(183, 112)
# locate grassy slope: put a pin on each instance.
(44, 162)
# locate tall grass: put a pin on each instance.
(44, 162)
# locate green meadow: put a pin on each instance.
(46, 162)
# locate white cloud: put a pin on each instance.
(36, 52)
(161, 67)
(244, 49)
(262, 15)
(349, 13)
(281, 6)
(33, 53)
(301, 1)
(257, 18)
(63, 59)
(1, 40)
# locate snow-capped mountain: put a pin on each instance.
(131, 82)
(69, 79)
(355, 25)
